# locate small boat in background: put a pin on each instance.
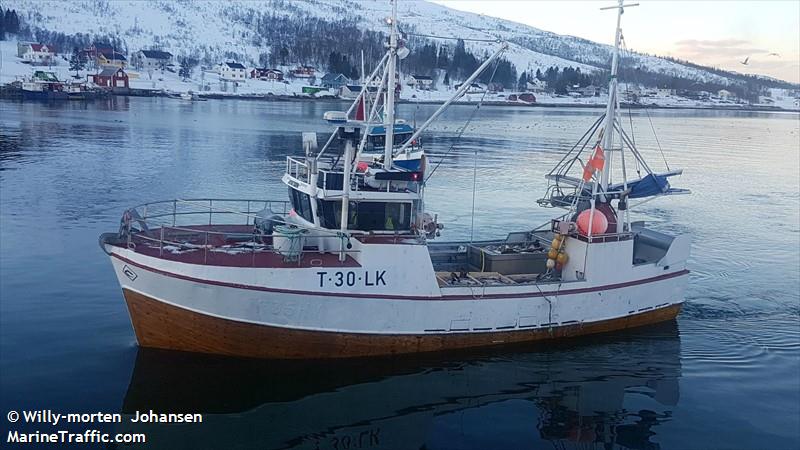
(43, 86)
(191, 96)
(374, 150)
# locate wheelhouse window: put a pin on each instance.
(301, 202)
(379, 140)
(367, 216)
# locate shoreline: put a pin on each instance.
(9, 93)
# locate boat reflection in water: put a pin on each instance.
(603, 392)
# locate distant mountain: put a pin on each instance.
(307, 32)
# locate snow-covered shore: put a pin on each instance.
(208, 83)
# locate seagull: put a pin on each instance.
(774, 54)
(745, 60)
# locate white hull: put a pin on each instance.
(270, 297)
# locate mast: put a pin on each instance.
(389, 112)
(611, 108)
(607, 138)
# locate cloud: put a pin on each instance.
(712, 43)
(728, 54)
(720, 48)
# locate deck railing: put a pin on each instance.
(191, 225)
(298, 169)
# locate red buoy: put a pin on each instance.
(599, 222)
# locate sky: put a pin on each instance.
(718, 33)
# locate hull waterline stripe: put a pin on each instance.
(404, 297)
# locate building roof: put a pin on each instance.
(38, 48)
(109, 55)
(109, 72)
(234, 65)
(333, 76)
(157, 54)
(266, 70)
(357, 88)
(422, 77)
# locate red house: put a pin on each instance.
(303, 72)
(111, 77)
(267, 74)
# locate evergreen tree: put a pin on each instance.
(447, 78)
(11, 21)
(283, 53)
(442, 60)
(539, 75)
(522, 83)
(263, 60)
(77, 61)
(185, 71)
(2, 25)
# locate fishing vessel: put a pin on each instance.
(351, 265)
(43, 86)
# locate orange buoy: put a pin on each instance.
(553, 253)
(562, 258)
(599, 222)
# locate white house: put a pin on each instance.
(232, 71)
(765, 100)
(421, 82)
(536, 85)
(38, 54)
(151, 59)
(334, 80)
(474, 88)
(724, 94)
(663, 92)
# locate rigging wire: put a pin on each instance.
(461, 131)
(475, 164)
(452, 38)
(646, 110)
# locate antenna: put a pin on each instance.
(619, 6)
(390, 91)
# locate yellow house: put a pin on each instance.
(111, 59)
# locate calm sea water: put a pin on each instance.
(726, 375)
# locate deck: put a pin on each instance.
(228, 246)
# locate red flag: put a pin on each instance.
(596, 162)
(360, 109)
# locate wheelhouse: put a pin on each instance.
(376, 139)
(378, 200)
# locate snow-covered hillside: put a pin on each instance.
(224, 28)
